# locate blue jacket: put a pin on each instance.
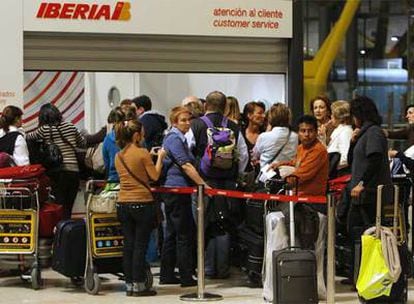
(176, 146)
(109, 150)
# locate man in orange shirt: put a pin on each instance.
(311, 162)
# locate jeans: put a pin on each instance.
(137, 221)
(179, 238)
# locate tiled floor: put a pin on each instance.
(58, 289)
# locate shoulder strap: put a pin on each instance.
(207, 121)
(281, 149)
(224, 122)
(140, 181)
(65, 140)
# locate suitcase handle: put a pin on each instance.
(380, 189)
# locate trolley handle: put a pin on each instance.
(21, 190)
(8, 181)
(92, 184)
(18, 193)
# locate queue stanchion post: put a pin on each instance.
(200, 295)
(330, 286)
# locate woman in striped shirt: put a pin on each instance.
(65, 179)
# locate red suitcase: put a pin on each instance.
(50, 214)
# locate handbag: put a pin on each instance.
(50, 155)
(94, 158)
(105, 201)
(374, 279)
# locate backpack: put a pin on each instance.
(221, 151)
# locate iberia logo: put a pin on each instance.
(53, 10)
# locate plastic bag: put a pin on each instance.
(104, 202)
(374, 278)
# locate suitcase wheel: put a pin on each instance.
(77, 281)
(36, 278)
(92, 281)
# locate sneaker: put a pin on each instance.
(169, 281)
(145, 293)
(189, 283)
(129, 292)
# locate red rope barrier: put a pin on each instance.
(244, 195)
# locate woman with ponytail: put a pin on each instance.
(12, 139)
(135, 206)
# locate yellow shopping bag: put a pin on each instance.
(374, 278)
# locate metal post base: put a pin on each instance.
(204, 297)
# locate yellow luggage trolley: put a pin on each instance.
(104, 240)
(19, 226)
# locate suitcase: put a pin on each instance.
(399, 290)
(294, 271)
(255, 211)
(252, 245)
(69, 248)
(50, 214)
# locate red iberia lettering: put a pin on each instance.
(121, 11)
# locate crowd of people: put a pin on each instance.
(212, 142)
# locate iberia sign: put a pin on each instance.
(240, 18)
(85, 11)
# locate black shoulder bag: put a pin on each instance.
(51, 156)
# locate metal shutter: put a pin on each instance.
(155, 53)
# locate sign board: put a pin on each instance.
(11, 53)
(241, 18)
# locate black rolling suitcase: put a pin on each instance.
(294, 271)
(399, 290)
(252, 244)
(69, 248)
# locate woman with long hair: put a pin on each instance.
(135, 206)
(12, 139)
(254, 120)
(232, 110)
(65, 179)
(321, 109)
(110, 148)
(368, 157)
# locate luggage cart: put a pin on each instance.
(19, 226)
(104, 243)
